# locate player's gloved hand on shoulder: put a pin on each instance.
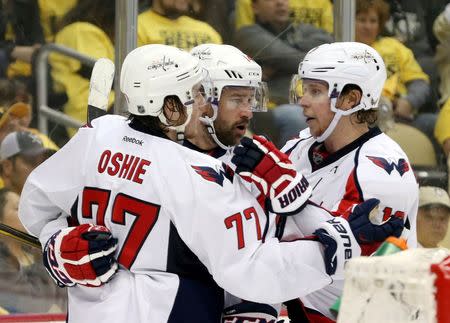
(249, 312)
(367, 232)
(258, 161)
(81, 255)
(339, 244)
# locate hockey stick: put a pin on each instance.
(18, 235)
(99, 88)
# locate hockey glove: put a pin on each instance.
(258, 161)
(249, 312)
(339, 245)
(367, 232)
(81, 255)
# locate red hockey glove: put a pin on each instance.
(339, 244)
(249, 312)
(257, 160)
(367, 232)
(81, 255)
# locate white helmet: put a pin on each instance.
(152, 72)
(228, 66)
(344, 63)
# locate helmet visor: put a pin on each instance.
(295, 89)
(201, 92)
(254, 98)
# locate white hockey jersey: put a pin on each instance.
(157, 196)
(373, 166)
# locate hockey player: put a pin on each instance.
(134, 197)
(345, 160)
(238, 92)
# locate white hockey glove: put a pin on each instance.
(247, 312)
(339, 244)
(81, 255)
(257, 160)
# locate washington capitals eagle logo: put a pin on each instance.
(401, 166)
(212, 175)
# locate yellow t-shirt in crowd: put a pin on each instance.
(401, 66)
(318, 13)
(183, 32)
(442, 128)
(51, 12)
(18, 67)
(87, 39)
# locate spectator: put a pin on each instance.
(20, 35)
(411, 22)
(52, 13)
(12, 91)
(24, 284)
(441, 29)
(407, 86)
(17, 118)
(203, 9)
(20, 153)
(433, 216)
(318, 13)
(89, 29)
(165, 22)
(442, 129)
(278, 46)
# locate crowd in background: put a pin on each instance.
(412, 36)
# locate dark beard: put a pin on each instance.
(226, 138)
(226, 135)
(173, 13)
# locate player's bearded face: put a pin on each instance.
(316, 106)
(234, 114)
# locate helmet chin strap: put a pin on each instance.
(209, 123)
(338, 113)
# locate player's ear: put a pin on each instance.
(354, 97)
(349, 99)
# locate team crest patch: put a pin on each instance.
(401, 165)
(216, 176)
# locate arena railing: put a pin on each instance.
(44, 112)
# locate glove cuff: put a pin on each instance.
(51, 264)
(345, 247)
(293, 197)
(249, 312)
(71, 257)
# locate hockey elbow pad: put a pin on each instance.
(81, 255)
(258, 161)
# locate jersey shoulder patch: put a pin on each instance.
(389, 164)
(215, 175)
